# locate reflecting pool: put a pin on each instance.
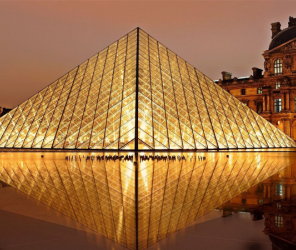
(137, 199)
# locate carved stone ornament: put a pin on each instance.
(289, 46)
(277, 96)
(267, 65)
(288, 62)
(286, 81)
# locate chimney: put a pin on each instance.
(257, 73)
(292, 21)
(275, 28)
(226, 75)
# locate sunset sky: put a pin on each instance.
(42, 40)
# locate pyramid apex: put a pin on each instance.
(136, 94)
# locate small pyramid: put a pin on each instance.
(136, 94)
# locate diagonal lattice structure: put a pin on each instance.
(136, 95)
(137, 205)
(133, 96)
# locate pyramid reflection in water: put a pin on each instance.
(136, 94)
(137, 205)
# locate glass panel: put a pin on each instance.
(174, 189)
(94, 106)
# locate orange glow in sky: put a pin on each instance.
(41, 41)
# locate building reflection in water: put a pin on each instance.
(139, 199)
(273, 200)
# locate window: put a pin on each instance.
(277, 85)
(243, 91)
(278, 221)
(278, 206)
(260, 188)
(277, 105)
(259, 90)
(244, 201)
(278, 189)
(260, 202)
(259, 106)
(278, 67)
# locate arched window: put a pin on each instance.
(278, 67)
(259, 90)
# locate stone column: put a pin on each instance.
(288, 127)
(268, 103)
(283, 101)
(292, 103)
(287, 102)
(264, 103)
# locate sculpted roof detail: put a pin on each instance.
(283, 37)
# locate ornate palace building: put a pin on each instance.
(271, 93)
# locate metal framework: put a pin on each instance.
(136, 95)
(137, 203)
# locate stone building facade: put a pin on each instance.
(271, 92)
(3, 111)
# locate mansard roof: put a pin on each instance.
(283, 37)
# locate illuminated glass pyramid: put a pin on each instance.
(137, 205)
(136, 94)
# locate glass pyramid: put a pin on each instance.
(138, 204)
(136, 94)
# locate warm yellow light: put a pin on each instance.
(185, 109)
